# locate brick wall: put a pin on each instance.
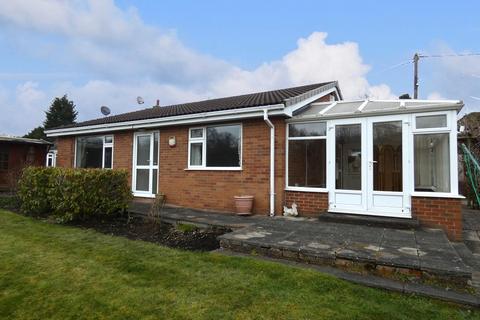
(65, 151)
(20, 155)
(445, 213)
(122, 151)
(212, 189)
(309, 203)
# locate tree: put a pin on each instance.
(61, 112)
(36, 133)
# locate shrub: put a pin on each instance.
(9, 201)
(70, 194)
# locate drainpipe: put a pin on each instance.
(272, 162)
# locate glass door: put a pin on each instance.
(386, 166)
(145, 164)
(348, 161)
(368, 165)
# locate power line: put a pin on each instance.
(416, 59)
(403, 63)
(448, 55)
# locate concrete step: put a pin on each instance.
(372, 221)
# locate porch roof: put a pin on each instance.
(358, 108)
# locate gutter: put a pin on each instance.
(272, 162)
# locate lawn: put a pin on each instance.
(57, 272)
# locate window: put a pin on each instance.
(432, 162)
(215, 147)
(433, 121)
(94, 152)
(4, 160)
(307, 155)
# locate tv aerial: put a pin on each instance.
(105, 110)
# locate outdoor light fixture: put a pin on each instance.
(172, 141)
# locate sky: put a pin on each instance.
(104, 52)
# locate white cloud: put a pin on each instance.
(435, 96)
(123, 57)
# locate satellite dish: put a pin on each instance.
(140, 100)
(105, 110)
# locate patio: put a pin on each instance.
(416, 252)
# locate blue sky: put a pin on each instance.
(107, 53)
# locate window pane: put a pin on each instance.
(307, 163)
(437, 121)
(154, 181)
(432, 162)
(108, 139)
(223, 146)
(196, 133)
(142, 179)
(348, 157)
(89, 152)
(143, 150)
(155, 148)
(196, 154)
(387, 152)
(307, 129)
(108, 157)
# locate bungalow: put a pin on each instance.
(304, 144)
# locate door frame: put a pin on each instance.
(366, 207)
(150, 167)
(404, 195)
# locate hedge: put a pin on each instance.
(71, 194)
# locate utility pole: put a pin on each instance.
(416, 57)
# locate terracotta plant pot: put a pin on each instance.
(243, 205)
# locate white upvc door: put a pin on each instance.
(368, 166)
(388, 166)
(346, 166)
(145, 164)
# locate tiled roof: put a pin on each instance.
(227, 103)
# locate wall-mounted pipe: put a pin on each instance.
(272, 162)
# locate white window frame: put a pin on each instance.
(435, 129)
(105, 145)
(451, 130)
(203, 141)
(288, 138)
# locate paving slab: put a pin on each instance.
(324, 242)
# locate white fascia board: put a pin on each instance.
(215, 116)
(408, 110)
(288, 111)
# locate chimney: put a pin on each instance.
(158, 103)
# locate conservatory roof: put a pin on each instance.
(359, 108)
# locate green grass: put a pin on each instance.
(56, 272)
(186, 227)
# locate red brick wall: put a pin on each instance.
(309, 203)
(18, 159)
(445, 213)
(65, 151)
(215, 189)
(122, 151)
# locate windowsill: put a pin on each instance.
(214, 169)
(307, 189)
(437, 195)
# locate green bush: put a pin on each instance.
(70, 194)
(9, 201)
